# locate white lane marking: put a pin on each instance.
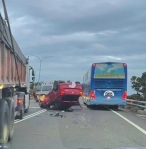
(130, 122)
(29, 116)
(32, 114)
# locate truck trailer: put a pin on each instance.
(14, 80)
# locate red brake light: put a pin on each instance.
(124, 96)
(19, 101)
(125, 64)
(94, 65)
(61, 93)
(92, 94)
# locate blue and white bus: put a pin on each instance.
(105, 84)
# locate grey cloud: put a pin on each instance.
(79, 33)
(72, 16)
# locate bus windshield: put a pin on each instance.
(46, 88)
(109, 70)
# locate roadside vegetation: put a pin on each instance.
(139, 86)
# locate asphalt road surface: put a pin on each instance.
(85, 128)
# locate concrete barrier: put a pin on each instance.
(136, 106)
(145, 111)
(141, 112)
(136, 109)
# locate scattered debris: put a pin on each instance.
(57, 114)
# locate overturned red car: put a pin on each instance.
(63, 95)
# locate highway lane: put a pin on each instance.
(138, 119)
(86, 128)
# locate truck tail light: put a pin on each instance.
(124, 96)
(19, 101)
(92, 94)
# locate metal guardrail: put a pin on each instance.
(136, 103)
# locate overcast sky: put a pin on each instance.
(78, 33)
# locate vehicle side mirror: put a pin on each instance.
(33, 78)
(32, 74)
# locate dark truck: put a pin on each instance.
(14, 80)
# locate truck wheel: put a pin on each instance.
(27, 109)
(21, 113)
(12, 118)
(4, 121)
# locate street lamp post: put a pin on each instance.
(35, 74)
(41, 59)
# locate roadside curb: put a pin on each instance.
(136, 110)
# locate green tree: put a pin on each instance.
(135, 97)
(139, 85)
(35, 86)
(143, 85)
(31, 85)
